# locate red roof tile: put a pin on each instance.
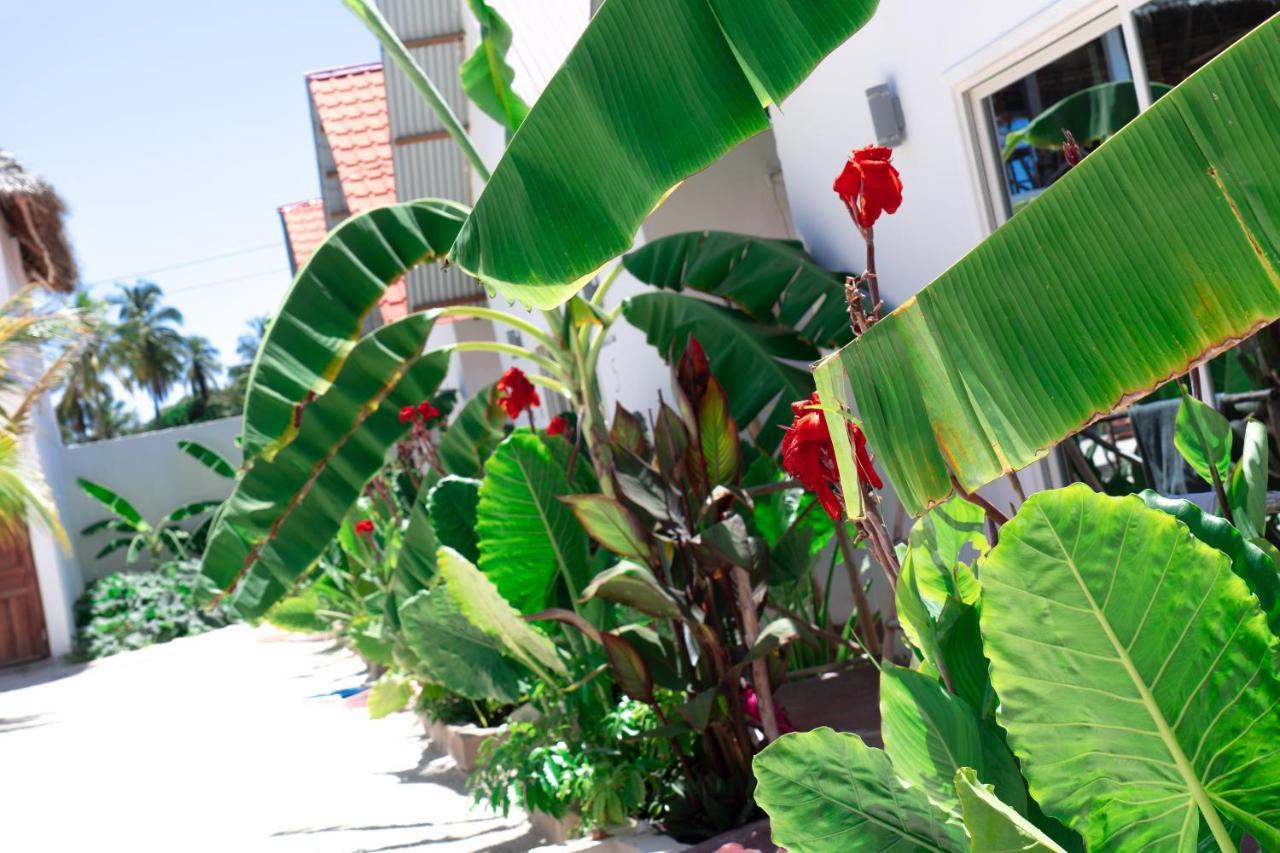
(303, 229)
(352, 106)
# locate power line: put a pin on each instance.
(196, 262)
(233, 280)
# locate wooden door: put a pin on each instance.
(22, 631)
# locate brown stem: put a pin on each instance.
(772, 488)
(866, 618)
(836, 638)
(993, 514)
(1017, 486)
(759, 667)
(1076, 457)
(873, 283)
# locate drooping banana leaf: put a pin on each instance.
(532, 547)
(119, 507)
(1100, 291)
(760, 366)
(285, 510)
(323, 314)
(451, 652)
(654, 91)
(486, 75)
(1136, 674)
(190, 511)
(473, 435)
(774, 281)
(828, 792)
(1092, 115)
(208, 457)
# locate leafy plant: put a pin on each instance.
(131, 610)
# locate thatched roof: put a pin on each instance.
(33, 213)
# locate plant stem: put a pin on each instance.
(976, 499)
(511, 349)
(367, 12)
(473, 312)
(866, 618)
(597, 298)
(855, 643)
(759, 667)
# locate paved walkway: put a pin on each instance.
(217, 743)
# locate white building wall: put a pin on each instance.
(147, 470)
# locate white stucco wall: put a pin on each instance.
(147, 470)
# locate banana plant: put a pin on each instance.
(966, 383)
(134, 533)
(1139, 704)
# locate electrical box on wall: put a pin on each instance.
(886, 115)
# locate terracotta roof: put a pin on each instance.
(352, 106)
(304, 229)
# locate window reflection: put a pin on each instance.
(1179, 36)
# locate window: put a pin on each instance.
(1179, 36)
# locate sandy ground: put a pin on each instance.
(219, 743)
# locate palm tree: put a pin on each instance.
(115, 419)
(203, 367)
(247, 346)
(150, 347)
(86, 392)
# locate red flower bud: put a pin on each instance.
(427, 411)
(364, 527)
(407, 414)
(516, 393)
(558, 426)
(869, 185)
(1071, 149)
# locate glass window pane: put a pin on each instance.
(1030, 151)
(1179, 36)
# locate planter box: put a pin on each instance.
(461, 743)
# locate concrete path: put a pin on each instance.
(216, 743)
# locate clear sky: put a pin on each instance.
(174, 131)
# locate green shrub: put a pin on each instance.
(130, 610)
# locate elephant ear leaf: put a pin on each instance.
(1136, 674)
(993, 826)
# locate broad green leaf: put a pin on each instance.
(1247, 491)
(755, 363)
(599, 150)
(191, 510)
(531, 546)
(718, 434)
(929, 734)
(453, 503)
(634, 586)
(323, 314)
(389, 694)
(473, 435)
(628, 667)
(774, 281)
(1203, 437)
(1248, 559)
(371, 641)
(610, 523)
(993, 826)
(1100, 291)
(486, 76)
(453, 653)
(484, 607)
(114, 502)
(285, 510)
(1136, 675)
(300, 613)
(416, 563)
(208, 457)
(828, 792)
(1092, 115)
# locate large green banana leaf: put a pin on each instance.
(828, 792)
(324, 312)
(532, 547)
(1161, 249)
(1136, 674)
(285, 510)
(486, 75)
(774, 281)
(654, 91)
(760, 366)
(451, 652)
(1092, 115)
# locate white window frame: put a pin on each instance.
(1033, 44)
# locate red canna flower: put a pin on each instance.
(364, 527)
(558, 426)
(427, 411)
(516, 393)
(407, 414)
(807, 454)
(869, 185)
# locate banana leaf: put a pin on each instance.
(1158, 251)
(284, 511)
(1092, 115)
(208, 457)
(486, 75)
(119, 507)
(654, 91)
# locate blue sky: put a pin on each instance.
(173, 131)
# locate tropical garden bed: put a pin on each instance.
(639, 597)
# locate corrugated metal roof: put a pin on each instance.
(304, 229)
